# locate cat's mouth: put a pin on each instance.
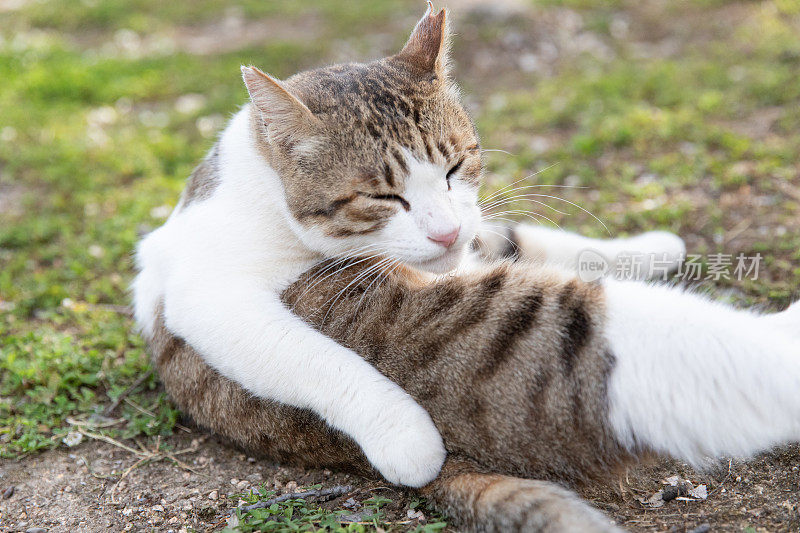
(442, 264)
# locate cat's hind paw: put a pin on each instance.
(658, 243)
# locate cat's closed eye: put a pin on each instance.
(452, 172)
(388, 198)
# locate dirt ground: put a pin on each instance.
(82, 489)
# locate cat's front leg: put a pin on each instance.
(246, 334)
(566, 249)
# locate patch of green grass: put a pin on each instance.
(95, 145)
(669, 141)
(52, 383)
(301, 515)
(98, 16)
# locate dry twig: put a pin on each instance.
(320, 494)
(141, 379)
(145, 456)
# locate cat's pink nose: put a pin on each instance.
(445, 239)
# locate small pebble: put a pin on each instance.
(213, 495)
(671, 492)
(350, 503)
(9, 492)
(36, 530)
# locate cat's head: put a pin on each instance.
(377, 158)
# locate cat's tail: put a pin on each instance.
(697, 379)
(491, 503)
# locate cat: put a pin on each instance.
(377, 158)
(380, 162)
(534, 377)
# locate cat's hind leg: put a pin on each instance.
(787, 320)
(696, 379)
(493, 503)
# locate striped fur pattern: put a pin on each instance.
(346, 159)
(203, 181)
(510, 363)
(496, 503)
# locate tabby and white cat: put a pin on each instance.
(525, 371)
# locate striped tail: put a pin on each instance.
(492, 503)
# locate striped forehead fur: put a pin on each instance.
(368, 118)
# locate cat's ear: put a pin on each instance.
(428, 47)
(284, 114)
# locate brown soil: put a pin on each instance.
(80, 490)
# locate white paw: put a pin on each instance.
(493, 239)
(406, 448)
(666, 250)
(660, 243)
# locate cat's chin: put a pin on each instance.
(443, 264)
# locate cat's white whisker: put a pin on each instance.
(578, 206)
(504, 237)
(497, 150)
(499, 191)
(339, 264)
(522, 188)
(382, 276)
(530, 214)
(510, 199)
(512, 221)
(362, 275)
